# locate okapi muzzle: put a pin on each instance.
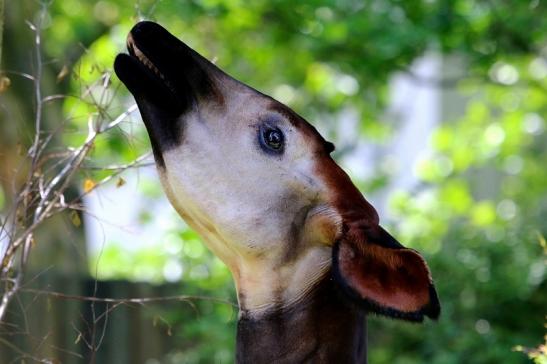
(257, 182)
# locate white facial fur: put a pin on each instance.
(256, 211)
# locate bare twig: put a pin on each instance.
(40, 190)
(139, 300)
(42, 194)
(20, 74)
(23, 354)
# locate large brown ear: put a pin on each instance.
(379, 273)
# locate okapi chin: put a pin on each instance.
(257, 182)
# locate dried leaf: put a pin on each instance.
(89, 184)
(4, 84)
(120, 182)
(63, 73)
(75, 218)
(78, 338)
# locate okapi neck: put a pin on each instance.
(323, 328)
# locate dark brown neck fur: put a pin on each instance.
(324, 328)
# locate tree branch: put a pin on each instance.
(139, 300)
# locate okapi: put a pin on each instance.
(257, 182)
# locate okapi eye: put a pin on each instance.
(271, 139)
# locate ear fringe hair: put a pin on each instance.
(431, 310)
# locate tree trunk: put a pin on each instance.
(1, 29)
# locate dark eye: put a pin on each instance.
(271, 139)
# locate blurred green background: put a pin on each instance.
(467, 188)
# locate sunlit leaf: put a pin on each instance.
(5, 83)
(483, 213)
(120, 182)
(89, 185)
(63, 73)
(75, 218)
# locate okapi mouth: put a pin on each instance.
(162, 70)
(147, 68)
(135, 52)
(167, 78)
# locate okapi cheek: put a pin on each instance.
(323, 226)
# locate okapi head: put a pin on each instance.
(257, 182)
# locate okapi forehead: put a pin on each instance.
(311, 136)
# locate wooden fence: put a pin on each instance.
(65, 330)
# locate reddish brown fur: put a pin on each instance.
(389, 276)
(396, 278)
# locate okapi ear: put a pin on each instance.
(380, 274)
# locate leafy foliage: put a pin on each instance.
(480, 207)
